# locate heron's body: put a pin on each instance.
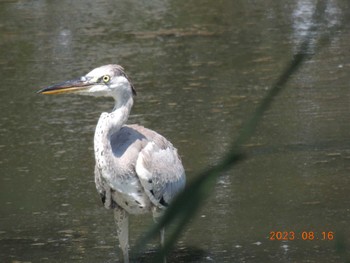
(137, 170)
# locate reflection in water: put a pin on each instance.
(63, 43)
(304, 22)
(199, 69)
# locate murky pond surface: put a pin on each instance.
(200, 68)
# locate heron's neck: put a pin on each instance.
(119, 116)
(110, 123)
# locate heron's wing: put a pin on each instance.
(145, 162)
(160, 170)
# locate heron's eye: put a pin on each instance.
(106, 78)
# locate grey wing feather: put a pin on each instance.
(160, 171)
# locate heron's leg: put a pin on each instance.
(156, 215)
(121, 218)
(162, 233)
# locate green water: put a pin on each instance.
(200, 68)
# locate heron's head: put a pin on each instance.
(108, 80)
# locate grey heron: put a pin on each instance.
(137, 170)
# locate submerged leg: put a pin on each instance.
(156, 215)
(121, 218)
(162, 232)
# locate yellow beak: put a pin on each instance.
(67, 86)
